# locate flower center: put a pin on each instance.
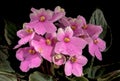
(58, 56)
(73, 59)
(84, 26)
(61, 9)
(40, 50)
(73, 27)
(42, 18)
(95, 41)
(66, 39)
(31, 51)
(29, 31)
(48, 41)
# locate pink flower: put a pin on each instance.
(67, 43)
(96, 47)
(59, 59)
(93, 30)
(52, 38)
(90, 31)
(75, 23)
(41, 21)
(44, 47)
(29, 58)
(75, 65)
(58, 13)
(26, 34)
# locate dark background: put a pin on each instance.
(17, 11)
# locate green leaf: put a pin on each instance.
(4, 64)
(96, 71)
(98, 18)
(80, 79)
(4, 76)
(10, 32)
(110, 76)
(3, 53)
(37, 76)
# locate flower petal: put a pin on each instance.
(77, 70)
(82, 19)
(35, 61)
(35, 44)
(22, 33)
(78, 42)
(64, 21)
(101, 44)
(82, 60)
(24, 40)
(60, 34)
(24, 66)
(17, 46)
(94, 30)
(68, 68)
(57, 16)
(92, 47)
(68, 32)
(43, 49)
(36, 13)
(60, 48)
(98, 55)
(72, 50)
(47, 52)
(20, 54)
(49, 27)
(58, 13)
(39, 28)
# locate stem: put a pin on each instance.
(47, 68)
(91, 65)
(52, 69)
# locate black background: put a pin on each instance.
(17, 11)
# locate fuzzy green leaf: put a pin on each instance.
(4, 64)
(110, 76)
(96, 72)
(80, 79)
(98, 18)
(10, 32)
(37, 76)
(4, 76)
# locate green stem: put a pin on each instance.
(52, 69)
(91, 65)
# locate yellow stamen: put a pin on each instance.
(48, 41)
(66, 39)
(40, 50)
(31, 51)
(62, 10)
(58, 56)
(84, 27)
(73, 59)
(42, 18)
(29, 30)
(95, 41)
(73, 27)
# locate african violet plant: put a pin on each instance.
(52, 46)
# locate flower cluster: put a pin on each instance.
(52, 36)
